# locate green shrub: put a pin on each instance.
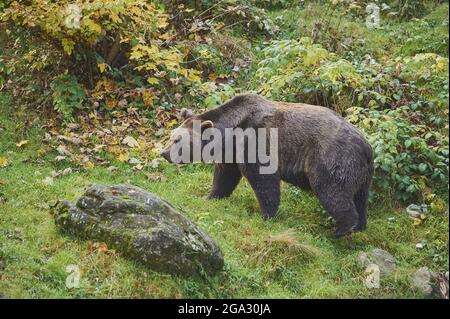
(67, 94)
(408, 157)
(4, 4)
(299, 70)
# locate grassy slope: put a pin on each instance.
(33, 255)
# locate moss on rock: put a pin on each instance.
(142, 226)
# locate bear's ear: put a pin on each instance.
(186, 113)
(207, 124)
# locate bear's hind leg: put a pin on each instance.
(341, 207)
(360, 199)
(226, 178)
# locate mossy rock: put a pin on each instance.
(140, 225)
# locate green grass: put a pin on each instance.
(304, 263)
(348, 36)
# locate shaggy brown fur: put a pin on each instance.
(318, 150)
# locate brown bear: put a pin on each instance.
(318, 150)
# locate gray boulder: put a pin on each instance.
(382, 258)
(140, 225)
(423, 280)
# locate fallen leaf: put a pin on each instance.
(102, 247)
(22, 143)
(160, 132)
(130, 141)
(134, 161)
(89, 165)
(156, 177)
(67, 171)
(102, 67)
(122, 157)
(4, 161)
(155, 163)
(63, 150)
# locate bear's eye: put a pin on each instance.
(177, 139)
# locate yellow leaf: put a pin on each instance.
(110, 102)
(91, 26)
(417, 221)
(102, 67)
(152, 80)
(4, 161)
(130, 141)
(89, 165)
(205, 54)
(172, 123)
(22, 143)
(193, 75)
(161, 23)
(148, 97)
(102, 247)
(123, 157)
(68, 45)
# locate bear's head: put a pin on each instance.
(181, 143)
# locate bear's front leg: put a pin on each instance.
(266, 188)
(226, 178)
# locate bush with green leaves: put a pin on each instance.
(211, 94)
(67, 95)
(300, 70)
(408, 157)
(4, 4)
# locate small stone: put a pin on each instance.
(419, 245)
(422, 280)
(380, 257)
(130, 141)
(66, 171)
(134, 161)
(414, 210)
(155, 163)
(63, 150)
(372, 281)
